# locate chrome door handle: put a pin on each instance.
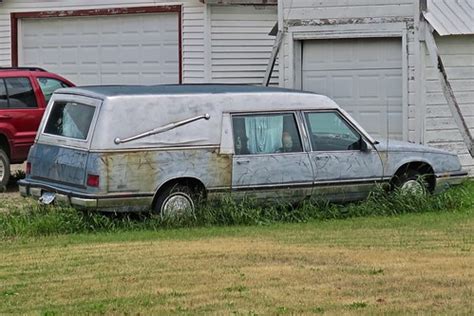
(242, 162)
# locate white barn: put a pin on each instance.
(142, 42)
(371, 57)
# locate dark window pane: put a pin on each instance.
(265, 134)
(3, 95)
(329, 132)
(20, 93)
(49, 85)
(70, 119)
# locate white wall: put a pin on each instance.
(240, 44)
(441, 131)
(193, 26)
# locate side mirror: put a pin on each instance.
(364, 147)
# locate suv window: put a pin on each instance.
(265, 133)
(70, 119)
(49, 85)
(3, 95)
(329, 132)
(20, 93)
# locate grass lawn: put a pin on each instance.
(411, 263)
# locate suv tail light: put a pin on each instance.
(92, 180)
(28, 168)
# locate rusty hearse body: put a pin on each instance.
(136, 148)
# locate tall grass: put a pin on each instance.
(49, 220)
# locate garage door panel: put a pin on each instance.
(364, 76)
(135, 48)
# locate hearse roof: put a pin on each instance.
(128, 90)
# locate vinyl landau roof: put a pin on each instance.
(124, 90)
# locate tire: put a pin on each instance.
(177, 201)
(412, 182)
(4, 169)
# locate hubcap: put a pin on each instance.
(413, 187)
(177, 205)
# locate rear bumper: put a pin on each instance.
(127, 202)
(447, 180)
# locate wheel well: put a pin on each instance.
(4, 145)
(424, 168)
(194, 184)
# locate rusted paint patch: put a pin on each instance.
(146, 171)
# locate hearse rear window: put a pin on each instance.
(70, 119)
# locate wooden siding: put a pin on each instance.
(240, 44)
(193, 13)
(441, 130)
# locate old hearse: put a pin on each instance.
(137, 148)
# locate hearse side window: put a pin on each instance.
(20, 93)
(49, 85)
(265, 134)
(329, 132)
(70, 119)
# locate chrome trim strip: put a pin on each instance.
(184, 147)
(452, 174)
(301, 184)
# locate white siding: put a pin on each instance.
(333, 9)
(457, 53)
(192, 31)
(240, 44)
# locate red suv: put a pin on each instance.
(24, 94)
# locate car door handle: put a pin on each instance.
(321, 157)
(243, 162)
(5, 117)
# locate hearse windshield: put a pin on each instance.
(70, 119)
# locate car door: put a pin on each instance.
(23, 113)
(346, 166)
(269, 160)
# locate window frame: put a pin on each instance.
(299, 129)
(343, 117)
(68, 141)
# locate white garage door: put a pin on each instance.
(364, 76)
(118, 49)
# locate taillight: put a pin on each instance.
(92, 180)
(28, 168)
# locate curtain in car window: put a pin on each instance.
(264, 133)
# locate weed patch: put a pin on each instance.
(37, 220)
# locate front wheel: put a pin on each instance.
(177, 201)
(4, 169)
(412, 182)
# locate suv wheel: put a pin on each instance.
(4, 169)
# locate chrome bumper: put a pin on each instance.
(115, 202)
(447, 180)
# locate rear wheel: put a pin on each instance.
(177, 201)
(412, 182)
(4, 169)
